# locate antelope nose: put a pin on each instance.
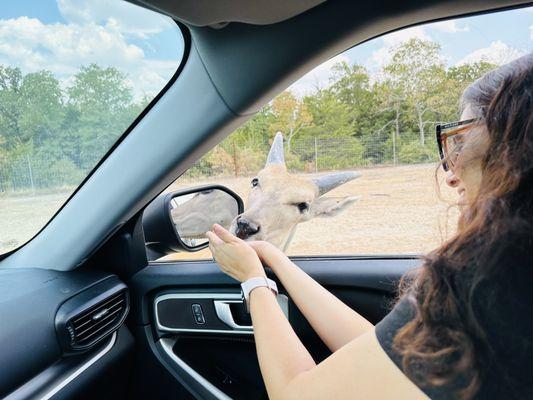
(245, 228)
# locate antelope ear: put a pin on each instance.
(331, 206)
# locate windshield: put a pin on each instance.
(73, 76)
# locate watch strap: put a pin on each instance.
(253, 283)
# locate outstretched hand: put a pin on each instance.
(235, 258)
(269, 254)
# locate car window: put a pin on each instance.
(74, 75)
(371, 110)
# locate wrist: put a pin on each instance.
(255, 270)
(254, 274)
(253, 284)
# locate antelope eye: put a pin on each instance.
(302, 207)
(255, 182)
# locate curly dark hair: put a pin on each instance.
(445, 343)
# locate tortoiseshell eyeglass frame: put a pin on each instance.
(444, 131)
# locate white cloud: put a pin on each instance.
(531, 32)
(117, 15)
(403, 35)
(89, 36)
(497, 53)
(382, 56)
(449, 26)
(318, 78)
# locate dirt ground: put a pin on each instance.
(23, 216)
(399, 213)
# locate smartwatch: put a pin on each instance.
(253, 283)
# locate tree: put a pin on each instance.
(330, 116)
(351, 86)
(291, 115)
(98, 89)
(42, 109)
(100, 107)
(10, 107)
(415, 72)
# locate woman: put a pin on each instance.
(463, 327)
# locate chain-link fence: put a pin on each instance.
(27, 173)
(315, 154)
(307, 154)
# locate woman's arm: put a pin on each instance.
(325, 312)
(356, 371)
(359, 370)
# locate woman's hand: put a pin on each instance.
(236, 258)
(268, 253)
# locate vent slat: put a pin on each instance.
(95, 332)
(91, 327)
(95, 308)
(99, 319)
(89, 318)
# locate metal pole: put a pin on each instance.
(394, 147)
(316, 157)
(31, 174)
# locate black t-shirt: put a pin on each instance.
(504, 308)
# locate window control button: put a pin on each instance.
(198, 314)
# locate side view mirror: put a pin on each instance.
(178, 221)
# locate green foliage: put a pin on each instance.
(329, 157)
(50, 136)
(415, 152)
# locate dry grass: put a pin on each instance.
(399, 213)
(23, 216)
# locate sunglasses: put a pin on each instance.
(450, 140)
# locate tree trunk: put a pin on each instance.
(421, 125)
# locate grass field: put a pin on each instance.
(399, 213)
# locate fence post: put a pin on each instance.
(235, 166)
(393, 147)
(316, 157)
(31, 174)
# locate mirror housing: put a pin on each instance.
(163, 220)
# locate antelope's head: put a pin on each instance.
(278, 202)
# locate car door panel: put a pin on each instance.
(214, 361)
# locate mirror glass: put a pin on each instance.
(194, 214)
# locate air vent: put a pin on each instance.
(87, 318)
(90, 326)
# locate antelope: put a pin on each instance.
(277, 201)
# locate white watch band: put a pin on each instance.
(253, 283)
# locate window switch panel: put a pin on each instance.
(198, 314)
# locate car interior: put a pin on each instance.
(87, 308)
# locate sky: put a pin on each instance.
(62, 35)
(497, 37)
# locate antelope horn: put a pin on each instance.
(276, 155)
(329, 182)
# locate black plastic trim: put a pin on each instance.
(83, 303)
(161, 234)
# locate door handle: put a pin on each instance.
(223, 311)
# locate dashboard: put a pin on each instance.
(55, 326)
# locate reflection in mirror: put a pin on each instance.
(194, 214)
